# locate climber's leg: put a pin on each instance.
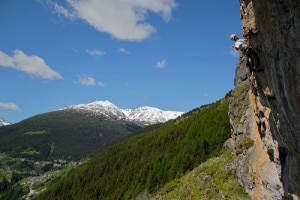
(254, 59)
(250, 63)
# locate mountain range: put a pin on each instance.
(75, 131)
(142, 116)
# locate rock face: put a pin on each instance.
(265, 106)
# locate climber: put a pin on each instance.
(243, 47)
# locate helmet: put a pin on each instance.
(232, 36)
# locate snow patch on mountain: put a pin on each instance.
(143, 115)
(150, 114)
(3, 122)
(104, 108)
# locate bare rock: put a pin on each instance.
(268, 112)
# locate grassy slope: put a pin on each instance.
(213, 179)
(149, 159)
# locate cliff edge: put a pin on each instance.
(264, 108)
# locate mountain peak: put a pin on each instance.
(103, 103)
(3, 122)
(144, 115)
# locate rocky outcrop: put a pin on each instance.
(265, 106)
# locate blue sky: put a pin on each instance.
(170, 54)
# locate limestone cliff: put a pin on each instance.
(265, 106)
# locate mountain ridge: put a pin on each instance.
(61, 134)
(77, 130)
(144, 115)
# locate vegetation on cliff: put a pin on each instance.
(213, 179)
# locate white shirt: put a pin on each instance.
(241, 45)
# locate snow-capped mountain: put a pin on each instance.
(103, 108)
(3, 122)
(150, 115)
(142, 115)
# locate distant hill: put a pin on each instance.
(145, 161)
(61, 135)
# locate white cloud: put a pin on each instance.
(62, 11)
(122, 50)
(89, 81)
(162, 64)
(96, 52)
(9, 106)
(123, 19)
(100, 84)
(30, 64)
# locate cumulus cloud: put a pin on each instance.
(9, 106)
(95, 52)
(30, 64)
(89, 81)
(162, 64)
(124, 20)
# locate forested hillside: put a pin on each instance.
(148, 159)
(60, 135)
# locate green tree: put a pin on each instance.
(4, 184)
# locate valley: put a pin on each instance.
(38, 151)
(26, 178)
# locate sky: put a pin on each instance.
(169, 54)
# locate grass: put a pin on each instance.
(36, 132)
(31, 152)
(239, 102)
(244, 144)
(214, 179)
